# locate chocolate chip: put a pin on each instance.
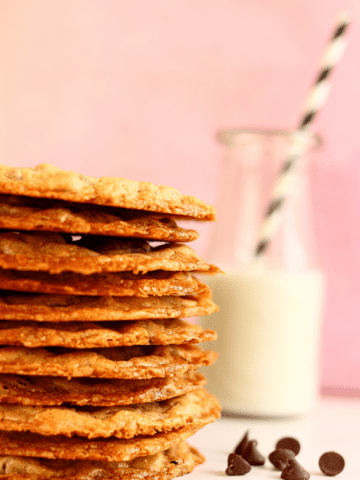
(241, 447)
(252, 454)
(237, 465)
(331, 463)
(289, 443)
(294, 471)
(280, 456)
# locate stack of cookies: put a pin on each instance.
(98, 372)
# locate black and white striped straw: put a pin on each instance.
(316, 99)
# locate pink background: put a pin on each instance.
(137, 89)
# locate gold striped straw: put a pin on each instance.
(316, 99)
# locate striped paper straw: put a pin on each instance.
(301, 137)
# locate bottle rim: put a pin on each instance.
(228, 136)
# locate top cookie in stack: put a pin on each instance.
(98, 374)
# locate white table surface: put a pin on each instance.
(333, 425)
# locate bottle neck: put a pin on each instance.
(249, 171)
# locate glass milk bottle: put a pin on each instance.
(270, 314)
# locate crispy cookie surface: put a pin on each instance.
(138, 362)
(37, 214)
(49, 252)
(109, 334)
(47, 181)
(68, 308)
(76, 448)
(192, 409)
(158, 283)
(25, 390)
(174, 462)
